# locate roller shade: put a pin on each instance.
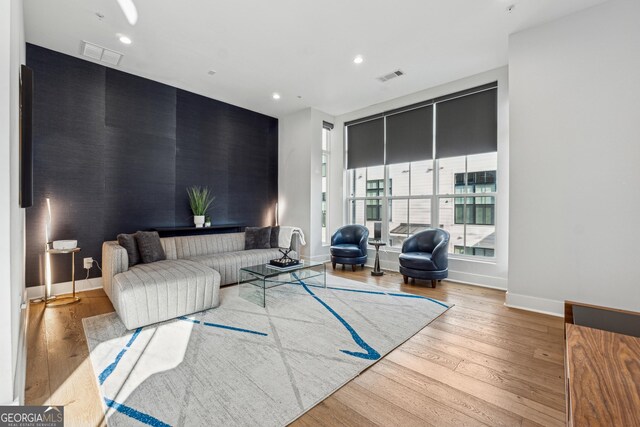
(467, 125)
(410, 135)
(365, 144)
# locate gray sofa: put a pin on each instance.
(186, 282)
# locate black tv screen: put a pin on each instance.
(26, 145)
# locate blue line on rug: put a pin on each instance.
(109, 369)
(135, 414)
(362, 291)
(370, 354)
(217, 325)
(393, 294)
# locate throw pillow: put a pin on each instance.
(149, 246)
(275, 235)
(128, 241)
(257, 238)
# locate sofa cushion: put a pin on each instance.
(275, 236)
(149, 246)
(346, 250)
(151, 293)
(228, 263)
(190, 246)
(128, 241)
(257, 238)
(417, 261)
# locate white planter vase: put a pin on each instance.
(198, 220)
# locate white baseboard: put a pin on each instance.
(34, 292)
(535, 304)
(482, 280)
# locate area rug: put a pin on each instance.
(241, 364)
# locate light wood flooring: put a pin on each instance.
(480, 363)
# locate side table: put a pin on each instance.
(376, 267)
(55, 301)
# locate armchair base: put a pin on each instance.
(352, 261)
(432, 275)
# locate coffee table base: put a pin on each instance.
(253, 285)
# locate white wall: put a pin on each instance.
(300, 176)
(12, 319)
(491, 274)
(294, 178)
(575, 160)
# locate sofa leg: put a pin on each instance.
(433, 284)
(362, 265)
(334, 265)
(343, 266)
(406, 279)
(353, 267)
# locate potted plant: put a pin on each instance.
(207, 220)
(200, 200)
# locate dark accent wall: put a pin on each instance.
(115, 153)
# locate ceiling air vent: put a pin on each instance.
(392, 75)
(100, 53)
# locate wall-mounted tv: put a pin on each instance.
(26, 145)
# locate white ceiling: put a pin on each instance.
(297, 48)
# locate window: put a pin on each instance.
(367, 192)
(441, 156)
(409, 201)
(479, 210)
(474, 251)
(375, 188)
(326, 143)
(470, 220)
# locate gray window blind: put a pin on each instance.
(410, 135)
(467, 125)
(365, 144)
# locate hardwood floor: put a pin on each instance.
(480, 363)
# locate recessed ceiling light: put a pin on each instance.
(276, 96)
(125, 40)
(358, 59)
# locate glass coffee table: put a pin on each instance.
(255, 280)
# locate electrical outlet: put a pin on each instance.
(88, 263)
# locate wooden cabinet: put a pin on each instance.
(602, 368)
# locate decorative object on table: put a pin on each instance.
(207, 221)
(200, 200)
(424, 256)
(64, 244)
(322, 353)
(376, 266)
(257, 238)
(377, 231)
(55, 301)
(349, 246)
(285, 260)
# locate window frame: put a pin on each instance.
(325, 196)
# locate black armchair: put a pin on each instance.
(424, 256)
(349, 246)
